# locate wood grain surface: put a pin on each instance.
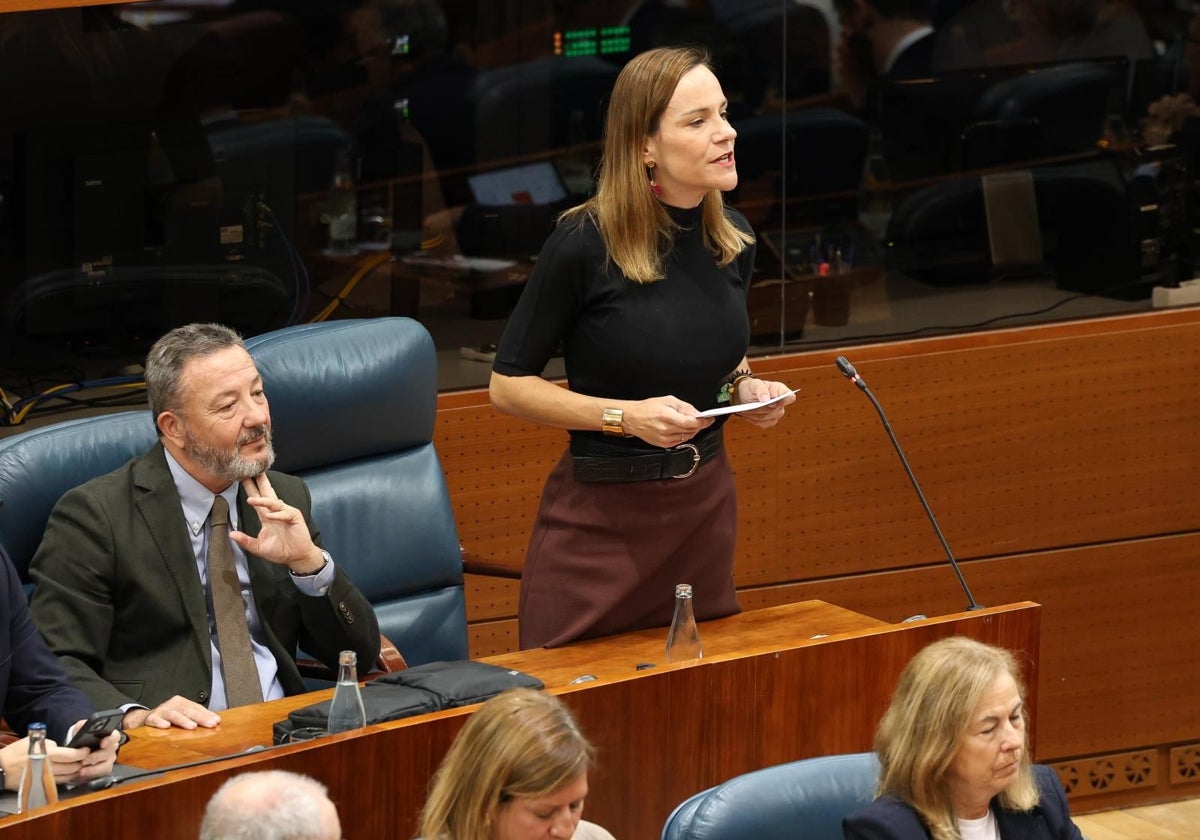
(767, 693)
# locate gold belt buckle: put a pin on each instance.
(695, 459)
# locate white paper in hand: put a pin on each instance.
(734, 409)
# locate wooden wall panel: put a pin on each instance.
(1120, 659)
(1023, 440)
(1018, 447)
(1061, 461)
(495, 467)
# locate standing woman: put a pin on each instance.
(644, 288)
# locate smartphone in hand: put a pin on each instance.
(96, 727)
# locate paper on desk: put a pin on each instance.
(734, 409)
(458, 262)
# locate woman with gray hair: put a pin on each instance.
(954, 753)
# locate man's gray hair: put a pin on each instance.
(266, 805)
(166, 360)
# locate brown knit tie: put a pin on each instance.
(233, 635)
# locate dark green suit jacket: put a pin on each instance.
(119, 600)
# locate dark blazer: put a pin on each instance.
(888, 818)
(33, 685)
(118, 598)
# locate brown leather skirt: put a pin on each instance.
(605, 558)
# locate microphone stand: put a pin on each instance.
(105, 782)
(847, 369)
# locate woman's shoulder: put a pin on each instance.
(1051, 794)
(575, 234)
(578, 222)
(885, 817)
(1052, 808)
(590, 831)
(1047, 781)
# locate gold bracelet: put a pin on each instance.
(612, 423)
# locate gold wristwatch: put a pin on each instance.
(612, 422)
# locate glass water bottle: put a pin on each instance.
(346, 711)
(875, 192)
(683, 640)
(37, 780)
(343, 208)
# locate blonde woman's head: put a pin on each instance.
(515, 759)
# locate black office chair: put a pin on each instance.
(825, 151)
(939, 234)
(793, 69)
(1069, 102)
(540, 105)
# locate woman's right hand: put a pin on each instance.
(67, 765)
(12, 761)
(664, 421)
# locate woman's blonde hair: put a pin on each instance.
(924, 726)
(521, 743)
(636, 228)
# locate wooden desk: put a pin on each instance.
(766, 692)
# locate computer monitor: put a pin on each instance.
(531, 183)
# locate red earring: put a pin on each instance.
(654, 188)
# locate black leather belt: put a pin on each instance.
(677, 462)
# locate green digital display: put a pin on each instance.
(606, 40)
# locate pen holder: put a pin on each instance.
(831, 300)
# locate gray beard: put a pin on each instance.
(229, 464)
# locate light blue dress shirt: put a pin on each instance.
(197, 503)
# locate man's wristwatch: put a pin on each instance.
(612, 422)
(328, 560)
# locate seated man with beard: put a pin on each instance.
(182, 583)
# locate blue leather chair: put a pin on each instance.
(803, 800)
(353, 406)
(37, 467)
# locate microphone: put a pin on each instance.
(105, 782)
(848, 371)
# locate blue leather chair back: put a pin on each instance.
(38, 466)
(803, 800)
(352, 405)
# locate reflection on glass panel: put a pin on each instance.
(909, 167)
